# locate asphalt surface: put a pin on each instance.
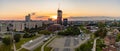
(56, 49)
(75, 42)
(36, 42)
(67, 42)
(66, 49)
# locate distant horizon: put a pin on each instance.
(44, 9)
(77, 18)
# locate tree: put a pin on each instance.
(26, 35)
(17, 37)
(101, 32)
(7, 40)
(101, 25)
(46, 32)
(118, 38)
(85, 47)
(70, 31)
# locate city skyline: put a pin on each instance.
(44, 9)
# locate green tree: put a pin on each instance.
(101, 25)
(118, 38)
(7, 40)
(85, 47)
(17, 37)
(46, 32)
(101, 32)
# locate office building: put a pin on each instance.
(27, 18)
(59, 17)
(65, 21)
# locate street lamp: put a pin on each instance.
(11, 31)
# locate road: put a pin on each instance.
(42, 48)
(31, 45)
(67, 41)
(94, 45)
(66, 49)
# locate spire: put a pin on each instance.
(58, 6)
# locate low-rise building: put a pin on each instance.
(110, 48)
(109, 40)
(55, 27)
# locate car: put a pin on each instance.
(30, 41)
(76, 38)
(82, 38)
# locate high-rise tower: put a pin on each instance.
(27, 18)
(59, 16)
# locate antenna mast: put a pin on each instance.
(59, 6)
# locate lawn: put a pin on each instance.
(24, 40)
(38, 48)
(5, 47)
(24, 49)
(86, 46)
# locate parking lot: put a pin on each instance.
(67, 43)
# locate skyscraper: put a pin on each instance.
(27, 18)
(59, 17)
(65, 21)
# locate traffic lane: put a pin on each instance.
(67, 42)
(75, 41)
(66, 49)
(36, 41)
(56, 49)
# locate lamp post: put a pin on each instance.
(12, 33)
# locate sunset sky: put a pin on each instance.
(17, 9)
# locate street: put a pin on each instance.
(31, 45)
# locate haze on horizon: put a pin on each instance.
(17, 9)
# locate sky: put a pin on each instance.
(43, 9)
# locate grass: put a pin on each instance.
(24, 40)
(99, 45)
(38, 48)
(24, 49)
(5, 47)
(86, 46)
(47, 48)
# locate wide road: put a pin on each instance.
(35, 43)
(66, 49)
(76, 41)
(67, 41)
(56, 49)
(45, 44)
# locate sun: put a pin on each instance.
(54, 17)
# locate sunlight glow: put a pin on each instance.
(54, 17)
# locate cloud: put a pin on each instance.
(42, 17)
